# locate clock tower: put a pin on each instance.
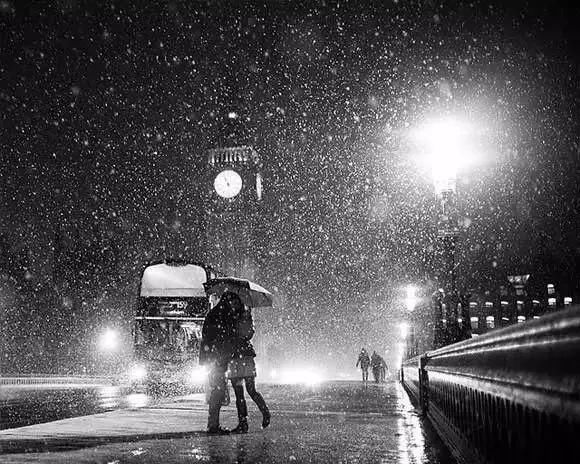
(233, 202)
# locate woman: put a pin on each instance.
(242, 368)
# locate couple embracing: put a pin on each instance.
(226, 348)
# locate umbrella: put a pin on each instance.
(251, 294)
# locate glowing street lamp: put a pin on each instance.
(404, 329)
(448, 149)
(411, 299)
(446, 144)
(408, 328)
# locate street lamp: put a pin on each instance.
(409, 326)
(411, 298)
(404, 329)
(446, 145)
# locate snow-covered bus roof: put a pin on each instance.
(162, 280)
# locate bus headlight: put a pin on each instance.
(109, 340)
(198, 375)
(137, 373)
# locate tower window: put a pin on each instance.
(475, 323)
(490, 322)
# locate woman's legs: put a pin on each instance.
(259, 400)
(241, 406)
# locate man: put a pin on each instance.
(217, 342)
(384, 368)
(364, 362)
(376, 366)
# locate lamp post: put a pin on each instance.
(447, 238)
(411, 300)
(444, 142)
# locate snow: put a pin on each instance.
(163, 280)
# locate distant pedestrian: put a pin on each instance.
(376, 366)
(384, 369)
(216, 350)
(364, 361)
(242, 369)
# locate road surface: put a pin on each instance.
(335, 422)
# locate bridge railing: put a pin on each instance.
(52, 380)
(512, 395)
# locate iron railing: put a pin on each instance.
(510, 396)
(53, 380)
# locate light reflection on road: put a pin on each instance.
(410, 432)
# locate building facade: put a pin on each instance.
(480, 311)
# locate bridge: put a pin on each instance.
(53, 381)
(510, 396)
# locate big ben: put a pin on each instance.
(233, 197)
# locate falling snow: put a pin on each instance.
(107, 113)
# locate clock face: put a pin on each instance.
(228, 183)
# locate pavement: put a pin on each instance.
(335, 422)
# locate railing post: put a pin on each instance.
(423, 385)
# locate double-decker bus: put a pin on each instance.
(171, 307)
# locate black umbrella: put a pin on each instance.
(251, 294)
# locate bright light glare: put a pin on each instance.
(300, 375)
(398, 362)
(399, 352)
(138, 373)
(137, 400)
(198, 375)
(411, 300)
(109, 340)
(448, 145)
(404, 329)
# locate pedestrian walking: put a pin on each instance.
(376, 366)
(242, 369)
(364, 362)
(216, 349)
(384, 369)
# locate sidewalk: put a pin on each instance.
(161, 421)
(335, 422)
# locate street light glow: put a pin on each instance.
(411, 300)
(447, 146)
(404, 329)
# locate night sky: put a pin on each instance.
(106, 110)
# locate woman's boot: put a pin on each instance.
(242, 426)
(265, 417)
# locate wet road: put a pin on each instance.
(26, 405)
(31, 405)
(331, 423)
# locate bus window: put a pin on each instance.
(178, 335)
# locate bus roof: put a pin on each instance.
(162, 280)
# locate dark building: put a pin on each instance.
(521, 299)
